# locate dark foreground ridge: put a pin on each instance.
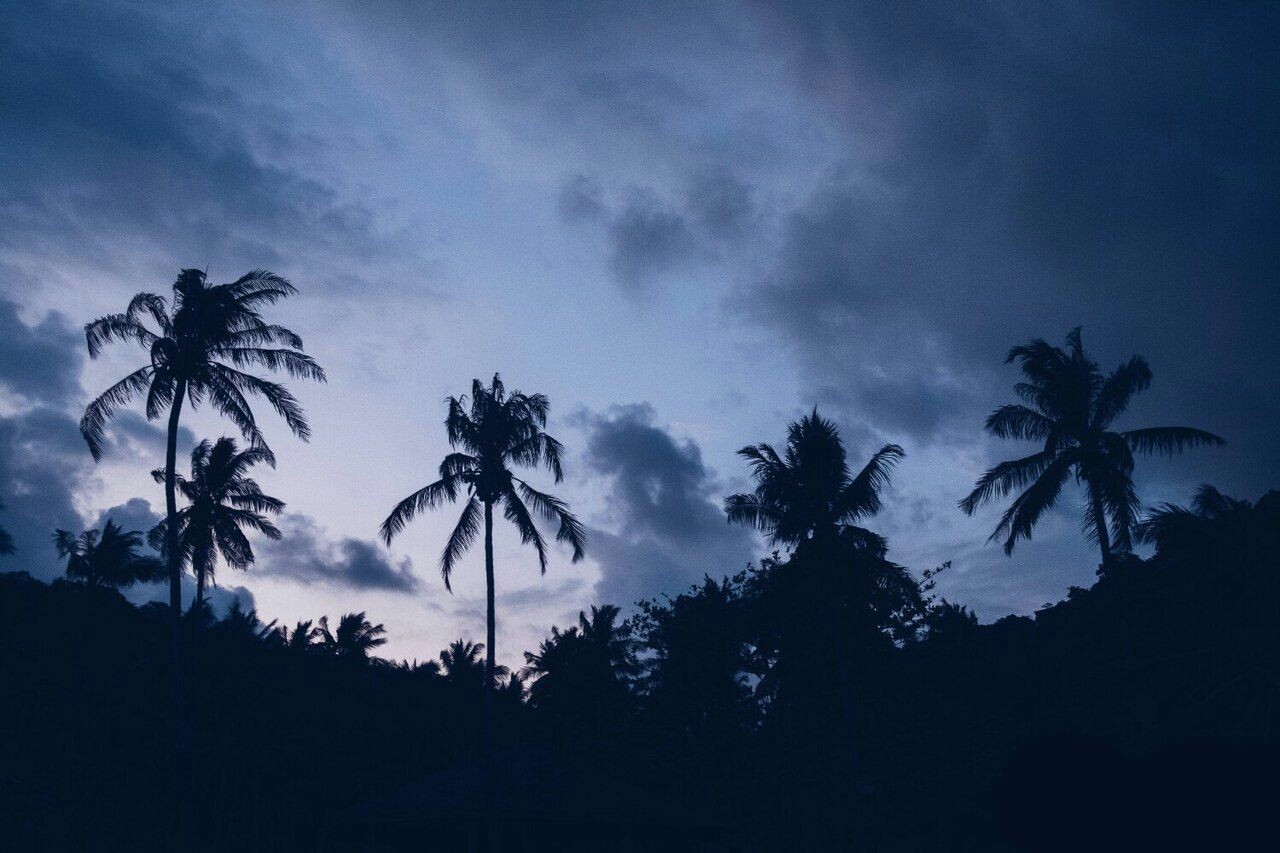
(789, 707)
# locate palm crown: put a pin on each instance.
(108, 557)
(354, 638)
(196, 350)
(494, 431)
(1071, 408)
(223, 501)
(807, 492)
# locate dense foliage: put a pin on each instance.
(790, 705)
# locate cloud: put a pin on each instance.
(663, 507)
(649, 237)
(128, 143)
(307, 555)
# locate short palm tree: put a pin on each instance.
(1071, 407)
(462, 667)
(807, 492)
(107, 558)
(302, 638)
(195, 352)
(494, 431)
(223, 501)
(353, 639)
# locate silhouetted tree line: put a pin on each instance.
(823, 698)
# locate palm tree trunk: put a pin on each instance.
(491, 840)
(1100, 524)
(181, 783)
(195, 605)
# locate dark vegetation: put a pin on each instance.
(823, 698)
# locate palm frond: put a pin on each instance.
(428, 497)
(1118, 389)
(1004, 478)
(554, 510)
(1019, 422)
(514, 510)
(94, 423)
(1169, 440)
(463, 535)
(861, 498)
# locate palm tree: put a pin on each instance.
(806, 493)
(222, 502)
(494, 432)
(108, 558)
(303, 637)
(6, 541)
(1071, 407)
(244, 625)
(195, 352)
(462, 667)
(354, 638)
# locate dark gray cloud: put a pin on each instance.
(649, 237)
(307, 555)
(44, 462)
(40, 362)
(663, 504)
(1023, 169)
(116, 137)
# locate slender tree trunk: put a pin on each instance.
(491, 838)
(1100, 524)
(195, 605)
(181, 782)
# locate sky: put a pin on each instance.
(687, 224)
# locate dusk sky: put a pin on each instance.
(687, 224)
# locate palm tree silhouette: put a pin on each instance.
(195, 351)
(462, 667)
(222, 502)
(806, 493)
(354, 638)
(1071, 408)
(207, 333)
(303, 637)
(6, 541)
(108, 558)
(496, 431)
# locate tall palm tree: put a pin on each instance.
(107, 558)
(354, 638)
(495, 431)
(222, 502)
(1071, 408)
(6, 541)
(196, 350)
(807, 493)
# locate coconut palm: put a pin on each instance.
(462, 667)
(195, 351)
(354, 638)
(223, 501)
(107, 558)
(6, 541)
(302, 638)
(807, 493)
(494, 432)
(1071, 407)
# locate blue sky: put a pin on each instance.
(685, 223)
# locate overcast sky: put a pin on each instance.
(685, 223)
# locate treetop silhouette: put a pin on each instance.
(1071, 406)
